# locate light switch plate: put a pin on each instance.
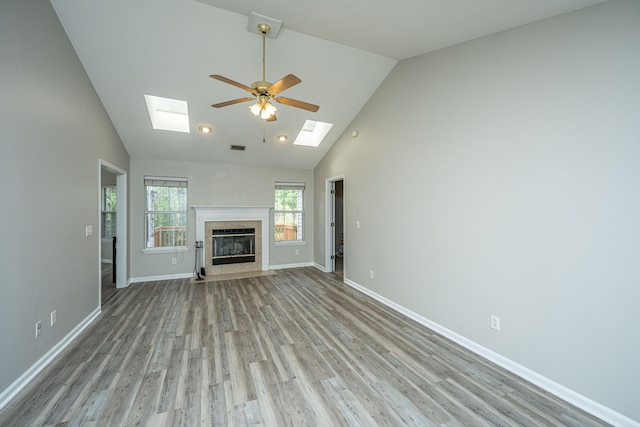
(88, 231)
(495, 322)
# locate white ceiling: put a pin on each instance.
(341, 50)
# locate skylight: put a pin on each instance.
(168, 114)
(312, 133)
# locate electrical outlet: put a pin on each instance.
(495, 322)
(38, 328)
(371, 274)
(88, 231)
(54, 316)
(297, 251)
(174, 261)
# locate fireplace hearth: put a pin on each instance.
(232, 247)
(239, 219)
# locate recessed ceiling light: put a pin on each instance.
(205, 128)
(312, 133)
(282, 138)
(168, 114)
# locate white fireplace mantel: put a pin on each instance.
(235, 213)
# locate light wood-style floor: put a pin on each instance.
(339, 267)
(108, 288)
(297, 348)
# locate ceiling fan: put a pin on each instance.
(264, 92)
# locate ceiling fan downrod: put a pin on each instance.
(264, 30)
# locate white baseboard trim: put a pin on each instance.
(283, 266)
(594, 408)
(321, 267)
(36, 368)
(162, 277)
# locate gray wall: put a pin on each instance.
(500, 176)
(213, 184)
(53, 130)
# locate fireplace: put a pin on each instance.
(233, 246)
(235, 239)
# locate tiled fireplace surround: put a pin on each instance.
(214, 218)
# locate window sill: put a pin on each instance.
(168, 249)
(290, 243)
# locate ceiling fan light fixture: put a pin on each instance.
(263, 108)
(268, 111)
(256, 108)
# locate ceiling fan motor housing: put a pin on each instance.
(261, 86)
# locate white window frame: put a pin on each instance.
(165, 182)
(300, 212)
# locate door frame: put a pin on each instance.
(330, 242)
(121, 224)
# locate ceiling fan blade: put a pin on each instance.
(273, 118)
(233, 101)
(284, 83)
(297, 104)
(231, 82)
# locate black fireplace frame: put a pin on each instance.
(244, 238)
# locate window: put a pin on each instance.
(166, 212)
(109, 211)
(288, 212)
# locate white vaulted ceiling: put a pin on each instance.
(341, 50)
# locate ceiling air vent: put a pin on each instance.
(238, 147)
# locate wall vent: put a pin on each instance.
(238, 147)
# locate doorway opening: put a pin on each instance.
(108, 233)
(113, 225)
(335, 247)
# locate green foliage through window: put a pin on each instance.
(166, 212)
(288, 212)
